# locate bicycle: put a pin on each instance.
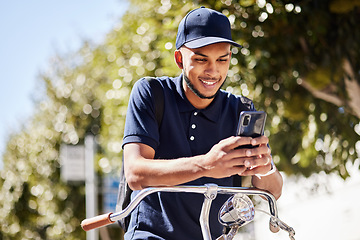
(236, 212)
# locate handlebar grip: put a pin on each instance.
(96, 222)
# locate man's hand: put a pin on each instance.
(225, 159)
(262, 160)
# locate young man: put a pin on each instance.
(195, 143)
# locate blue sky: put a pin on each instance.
(33, 31)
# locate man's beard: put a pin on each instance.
(197, 92)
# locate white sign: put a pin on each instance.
(72, 160)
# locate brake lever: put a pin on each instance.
(284, 227)
(276, 224)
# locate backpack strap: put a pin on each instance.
(158, 93)
(124, 193)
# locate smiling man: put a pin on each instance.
(208, 67)
(195, 142)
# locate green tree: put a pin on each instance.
(303, 59)
(299, 62)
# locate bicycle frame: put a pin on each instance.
(209, 191)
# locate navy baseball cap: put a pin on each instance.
(203, 26)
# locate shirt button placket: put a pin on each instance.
(193, 126)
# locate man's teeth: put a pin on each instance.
(209, 83)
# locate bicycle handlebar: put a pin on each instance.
(109, 218)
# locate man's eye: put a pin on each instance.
(223, 60)
(200, 59)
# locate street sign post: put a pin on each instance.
(77, 165)
(90, 184)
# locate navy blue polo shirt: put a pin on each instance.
(184, 132)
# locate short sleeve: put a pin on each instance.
(141, 125)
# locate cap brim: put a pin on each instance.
(202, 42)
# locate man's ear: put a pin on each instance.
(178, 59)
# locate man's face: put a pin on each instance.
(205, 69)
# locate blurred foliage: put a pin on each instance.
(299, 62)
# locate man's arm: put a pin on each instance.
(272, 183)
(221, 161)
(142, 171)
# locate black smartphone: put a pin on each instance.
(251, 124)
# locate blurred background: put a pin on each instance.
(67, 69)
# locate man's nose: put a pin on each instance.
(211, 69)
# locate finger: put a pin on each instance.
(263, 160)
(234, 170)
(260, 150)
(268, 160)
(233, 142)
(257, 170)
(243, 161)
(239, 170)
(260, 140)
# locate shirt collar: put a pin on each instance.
(212, 112)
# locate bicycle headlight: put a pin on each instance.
(238, 210)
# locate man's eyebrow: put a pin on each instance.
(227, 54)
(203, 55)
